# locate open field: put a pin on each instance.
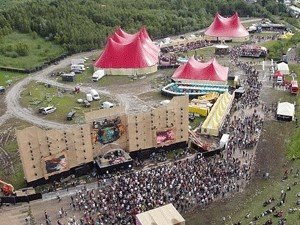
(38, 95)
(8, 78)
(39, 51)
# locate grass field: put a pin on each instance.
(293, 145)
(272, 188)
(37, 95)
(86, 76)
(39, 51)
(206, 53)
(8, 78)
(7, 3)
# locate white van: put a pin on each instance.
(77, 67)
(47, 110)
(97, 75)
(89, 97)
(107, 105)
(95, 94)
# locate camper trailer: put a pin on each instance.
(77, 68)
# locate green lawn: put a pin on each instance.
(39, 51)
(86, 76)
(293, 146)
(8, 78)
(271, 188)
(194, 124)
(206, 53)
(38, 95)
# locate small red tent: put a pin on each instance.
(195, 70)
(227, 27)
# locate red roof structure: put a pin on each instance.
(125, 50)
(227, 27)
(195, 70)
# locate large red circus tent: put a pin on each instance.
(129, 54)
(227, 29)
(195, 71)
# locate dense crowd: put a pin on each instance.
(186, 183)
(190, 46)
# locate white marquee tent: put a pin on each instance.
(285, 111)
(283, 68)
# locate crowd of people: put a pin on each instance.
(189, 46)
(249, 51)
(187, 183)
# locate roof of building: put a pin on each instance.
(164, 215)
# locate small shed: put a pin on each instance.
(285, 111)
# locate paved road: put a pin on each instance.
(14, 109)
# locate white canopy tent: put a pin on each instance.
(285, 111)
(283, 68)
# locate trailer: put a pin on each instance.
(294, 89)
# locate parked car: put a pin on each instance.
(71, 115)
(95, 94)
(2, 90)
(86, 103)
(47, 110)
(106, 105)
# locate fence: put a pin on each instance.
(18, 199)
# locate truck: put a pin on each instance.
(7, 189)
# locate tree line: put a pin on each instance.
(80, 25)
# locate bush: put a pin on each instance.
(11, 54)
(22, 49)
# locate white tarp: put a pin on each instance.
(283, 68)
(286, 109)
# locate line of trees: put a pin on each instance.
(81, 25)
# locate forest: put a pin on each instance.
(81, 25)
